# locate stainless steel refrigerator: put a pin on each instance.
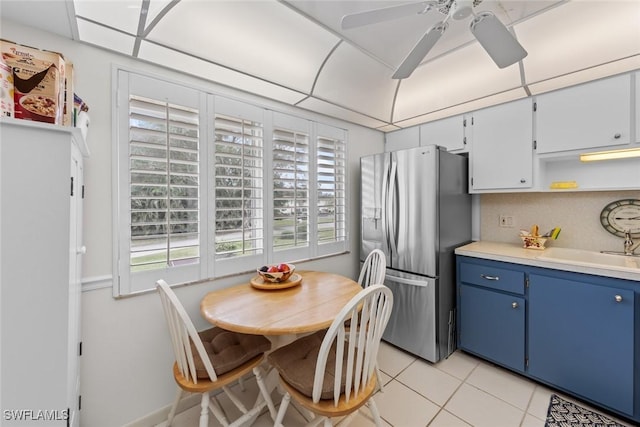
(415, 208)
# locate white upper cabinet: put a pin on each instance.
(502, 154)
(402, 139)
(595, 114)
(449, 133)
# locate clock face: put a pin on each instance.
(621, 216)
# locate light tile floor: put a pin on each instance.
(460, 391)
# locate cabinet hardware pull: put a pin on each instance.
(617, 136)
(514, 305)
(618, 298)
(484, 276)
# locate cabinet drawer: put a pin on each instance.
(492, 277)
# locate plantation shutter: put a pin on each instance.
(290, 183)
(159, 182)
(331, 163)
(239, 182)
(164, 187)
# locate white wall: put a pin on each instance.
(126, 362)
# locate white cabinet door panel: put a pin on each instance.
(595, 114)
(448, 133)
(502, 154)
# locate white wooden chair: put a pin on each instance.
(373, 269)
(211, 360)
(330, 374)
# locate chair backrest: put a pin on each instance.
(373, 269)
(183, 335)
(368, 313)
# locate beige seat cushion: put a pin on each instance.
(296, 364)
(227, 350)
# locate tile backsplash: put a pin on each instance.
(576, 213)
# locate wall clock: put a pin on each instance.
(620, 216)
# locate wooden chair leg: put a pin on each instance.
(284, 404)
(264, 392)
(371, 404)
(204, 410)
(217, 411)
(172, 411)
(379, 379)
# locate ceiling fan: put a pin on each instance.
(492, 34)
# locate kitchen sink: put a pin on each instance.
(591, 259)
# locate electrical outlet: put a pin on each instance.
(506, 221)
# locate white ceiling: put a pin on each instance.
(295, 51)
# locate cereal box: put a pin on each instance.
(67, 118)
(6, 90)
(38, 80)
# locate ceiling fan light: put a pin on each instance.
(461, 9)
(419, 51)
(496, 40)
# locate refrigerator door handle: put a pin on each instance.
(405, 281)
(392, 208)
(385, 203)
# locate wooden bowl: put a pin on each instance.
(276, 276)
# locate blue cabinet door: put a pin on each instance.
(491, 324)
(581, 338)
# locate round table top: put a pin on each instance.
(308, 307)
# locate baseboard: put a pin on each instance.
(162, 414)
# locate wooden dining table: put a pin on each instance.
(280, 314)
(307, 307)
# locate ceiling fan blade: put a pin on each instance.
(419, 51)
(384, 14)
(496, 39)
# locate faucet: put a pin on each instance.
(629, 246)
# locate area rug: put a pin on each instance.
(563, 413)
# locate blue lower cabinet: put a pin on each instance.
(576, 332)
(491, 324)
(581, 338)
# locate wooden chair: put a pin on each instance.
(333, 375)
(373, 269)
(211, 360)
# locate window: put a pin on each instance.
(208, 186)
(164, 188)
(290, 167)
(158, 208)
(331, 187)
(239, 209)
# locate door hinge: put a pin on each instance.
(464, 123)
(472, 181)
(83, 191)
(72, 186)
(80, 349)
(535, 106)
(526, 362)
(526, 282)
(535, 144)
(464, 141)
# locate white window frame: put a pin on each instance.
(208, 104)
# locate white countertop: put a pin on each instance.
(575, 260)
